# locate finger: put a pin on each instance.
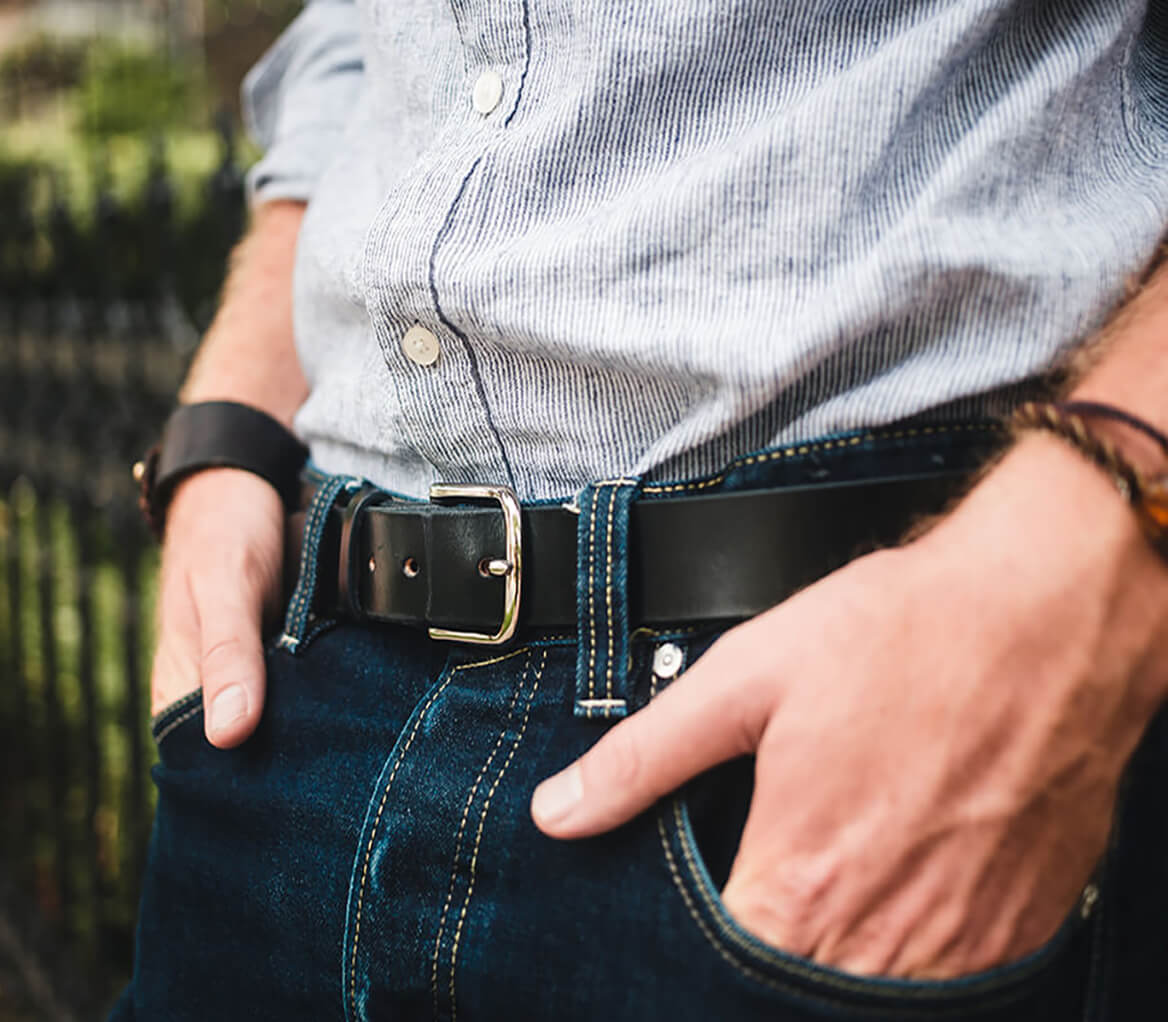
(715, 712)
(175, 670)
(231, 662)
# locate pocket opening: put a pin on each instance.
(868, 996)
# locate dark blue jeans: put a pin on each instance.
(368, 854)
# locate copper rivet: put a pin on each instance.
(372, 565)
(139, 470)
(410, 568)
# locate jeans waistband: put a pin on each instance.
(625, 552)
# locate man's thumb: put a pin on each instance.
(703, 719)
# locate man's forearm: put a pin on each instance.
(248, 354)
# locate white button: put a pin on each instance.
(420, 346)
(488, 90)
(667, 661)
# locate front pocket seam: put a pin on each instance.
(992, 997)
(182, 718)
(722, 951)
(175, 713)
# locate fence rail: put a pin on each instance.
(98, 318)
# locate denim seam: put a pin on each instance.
(591, 594)
(165, 716)
(823, 445)
(470, 800)
(643, 632)
(671, 862)
(301, 603)
(482, 824)
(609, 651)
(723, 952)
(612, 485)
(441, 687)
(182, 718)
(587, 699)
(313, 633)
(777, 959)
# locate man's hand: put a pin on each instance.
(939, 730)
(222, 558)
(221, 568)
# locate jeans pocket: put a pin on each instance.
(175, 715)
(1052, 984)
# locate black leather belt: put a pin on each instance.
(472, 565)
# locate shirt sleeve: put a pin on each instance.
(297, 98)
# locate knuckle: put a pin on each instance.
(800, 892)
(762, 912)
(223, 656)
(254, 570)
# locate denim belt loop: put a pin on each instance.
(300, 605)
(602, 598)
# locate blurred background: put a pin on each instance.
(121, 193)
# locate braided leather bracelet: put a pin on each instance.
(1147, 494)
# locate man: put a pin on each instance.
(617, 257)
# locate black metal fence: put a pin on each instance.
(99, 313)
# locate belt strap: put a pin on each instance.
(713, 557)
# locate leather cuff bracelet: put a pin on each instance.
(217, 434)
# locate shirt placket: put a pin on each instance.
(439, 370)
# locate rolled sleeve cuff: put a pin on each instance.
(298, 98)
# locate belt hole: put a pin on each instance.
(411, 568)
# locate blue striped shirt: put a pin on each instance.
(552, 241)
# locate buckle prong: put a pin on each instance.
(509, 567)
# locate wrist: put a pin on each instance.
(218, 434)
(1057, 532)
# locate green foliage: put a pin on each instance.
(43, 152)
(131, 90)
(42, 64)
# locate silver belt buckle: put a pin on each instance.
(510, 569)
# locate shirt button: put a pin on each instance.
(420, 346)
(488, 90)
